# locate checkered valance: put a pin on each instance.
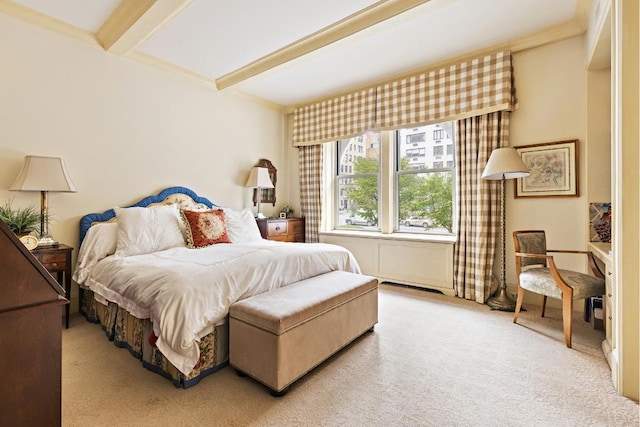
(477, 86)
(341, 117)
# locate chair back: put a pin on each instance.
(530, 242)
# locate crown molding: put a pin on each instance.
(174, 69)
(46, 22)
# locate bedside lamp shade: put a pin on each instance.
(259, 179)
(44, 174)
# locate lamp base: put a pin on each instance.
(260, 215)
(501, 300)
(46, 240)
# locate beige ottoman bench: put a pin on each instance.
(278, 336)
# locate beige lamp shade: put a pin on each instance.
(259, 177)
(43, 174)
(504, 163)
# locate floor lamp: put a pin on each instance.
(44, 174)
(259, 179)
(503, 164)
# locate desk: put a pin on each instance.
(602, 252)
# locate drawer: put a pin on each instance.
(609, 295)
(296, 227)
(277, 228)
(54, 262)
(608, 327)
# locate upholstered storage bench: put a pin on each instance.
(278, 336)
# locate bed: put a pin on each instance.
(160, 275)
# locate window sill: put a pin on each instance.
(431, 238)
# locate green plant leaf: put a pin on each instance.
(20, 220)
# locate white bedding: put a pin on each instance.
(186, 292)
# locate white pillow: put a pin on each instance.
(99, 242)
(147, 230)
(241, 226)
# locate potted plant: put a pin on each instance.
(21, 221)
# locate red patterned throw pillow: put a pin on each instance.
(205, 228)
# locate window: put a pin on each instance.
(424, 195)
(416, 137)
(416, 152)
(449, 149)
(417, 193)
(357, 185)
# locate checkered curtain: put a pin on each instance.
(310, 164)
(473, 92)
(478, 86)
(479, 203)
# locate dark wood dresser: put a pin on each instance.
(30, 338)
(282, 229)
(57, 259)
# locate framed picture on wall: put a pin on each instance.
(553, 168)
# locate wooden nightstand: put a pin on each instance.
(57, 259)
(282, 229)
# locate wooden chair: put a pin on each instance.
(537, 272)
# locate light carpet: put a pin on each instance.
(433, 360)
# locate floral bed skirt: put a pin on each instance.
(136, 335)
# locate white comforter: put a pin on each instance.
(186, 292)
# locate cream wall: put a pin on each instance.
(551, 89)
(124, 129)
(598, 168)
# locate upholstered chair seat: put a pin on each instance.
(537, 272)
(540, 280)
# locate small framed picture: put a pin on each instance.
(283, 215)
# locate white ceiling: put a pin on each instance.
(211, 39)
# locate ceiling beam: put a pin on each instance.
(352, 24)
(134, 21)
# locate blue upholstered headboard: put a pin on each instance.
(166, 196)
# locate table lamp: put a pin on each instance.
(259, 179)
(44, 174)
